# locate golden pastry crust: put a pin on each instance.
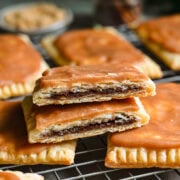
(35, 137)
(122, 157)
(9, 175)
(18, 89)
(40, 99)
(130, 114)
(172, 60)
(78, 84)
(14, 146)
(146, 65)
(162, 40)
(57, 154)
(47, 44)
(156, 144)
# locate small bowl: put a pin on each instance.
(59, 25)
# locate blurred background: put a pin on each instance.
(91, 12)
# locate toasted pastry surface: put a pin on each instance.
(21, 65)
(156, 144)
(14, 146)
(58, 123)
(79, 48)
(161, 35)
(77, 84)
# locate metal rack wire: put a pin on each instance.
(90, 153)
(89, 165)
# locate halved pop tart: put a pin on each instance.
(54, 123)
(78, 84)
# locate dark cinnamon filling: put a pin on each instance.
(109, 91)
(117, 121)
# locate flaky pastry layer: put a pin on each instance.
(57, 154)
(14, 145)
(122, 157)
(172, 60)
(52, 133)
(47, 44)
(18, 89)
(34, 138)
(91, 83)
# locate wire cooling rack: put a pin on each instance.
(90, 152)
(89, 165)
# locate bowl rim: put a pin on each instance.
(55, 26)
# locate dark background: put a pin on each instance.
(86, 11)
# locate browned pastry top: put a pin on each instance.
(165, 31)
(67, 75)
(18, 60)
(8, 176)
(13, 137)
(52, 115)
(163, 130)
(90, 46)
